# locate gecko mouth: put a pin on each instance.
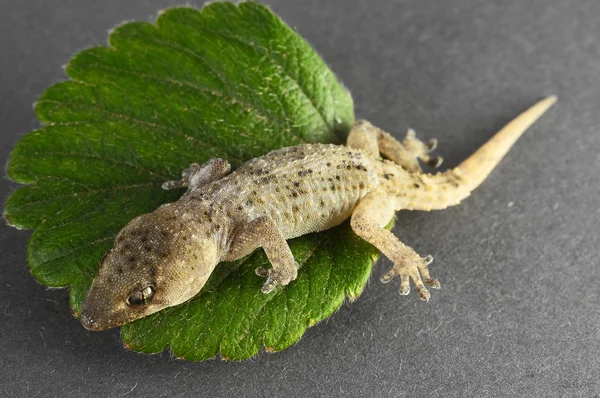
(97, 324)
(92, 322)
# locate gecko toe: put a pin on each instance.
(411, 134)
(276, 277)
(271, 281)
(172, 185)
(404, 285)
(268, 287)
(433, 283)
(424, 271)
(424, 294)
(388, 276)
(435, 162)
(432, 144)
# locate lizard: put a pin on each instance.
(163, 258)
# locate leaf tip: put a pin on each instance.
(7, 218)
(352, 296)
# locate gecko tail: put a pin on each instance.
(456, 184)
(480, 164)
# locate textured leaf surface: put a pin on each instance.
(225, 81)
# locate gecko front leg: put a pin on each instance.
(200, 174)
(370, 216)
(264, 232)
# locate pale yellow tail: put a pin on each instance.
(456, 184)
(480, 164)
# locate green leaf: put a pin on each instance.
(227, 81)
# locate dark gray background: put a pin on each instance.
(518, 313)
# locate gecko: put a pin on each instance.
(164, 258)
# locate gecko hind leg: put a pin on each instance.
(368, 220)
(197, 175)
(421, 150)
(407, 153)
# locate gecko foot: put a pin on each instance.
(421, 150)
(185, 178)
(415, 269)
(277, 277)
(197, 175)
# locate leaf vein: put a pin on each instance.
(86, 192)
(119, 116)
(74, 250)
(285, 122)
(273, 62)
(217, 93)
(98, 157)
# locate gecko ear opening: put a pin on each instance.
(142, 297)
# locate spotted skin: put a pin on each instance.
(164, 258)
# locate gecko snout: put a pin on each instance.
(88, 322)
(93, 314)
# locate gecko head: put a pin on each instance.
(158, 260)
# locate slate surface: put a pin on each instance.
(518, 314)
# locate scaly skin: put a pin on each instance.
(164, 258)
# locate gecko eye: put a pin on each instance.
(141, 297)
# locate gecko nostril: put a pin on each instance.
(88, 322)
